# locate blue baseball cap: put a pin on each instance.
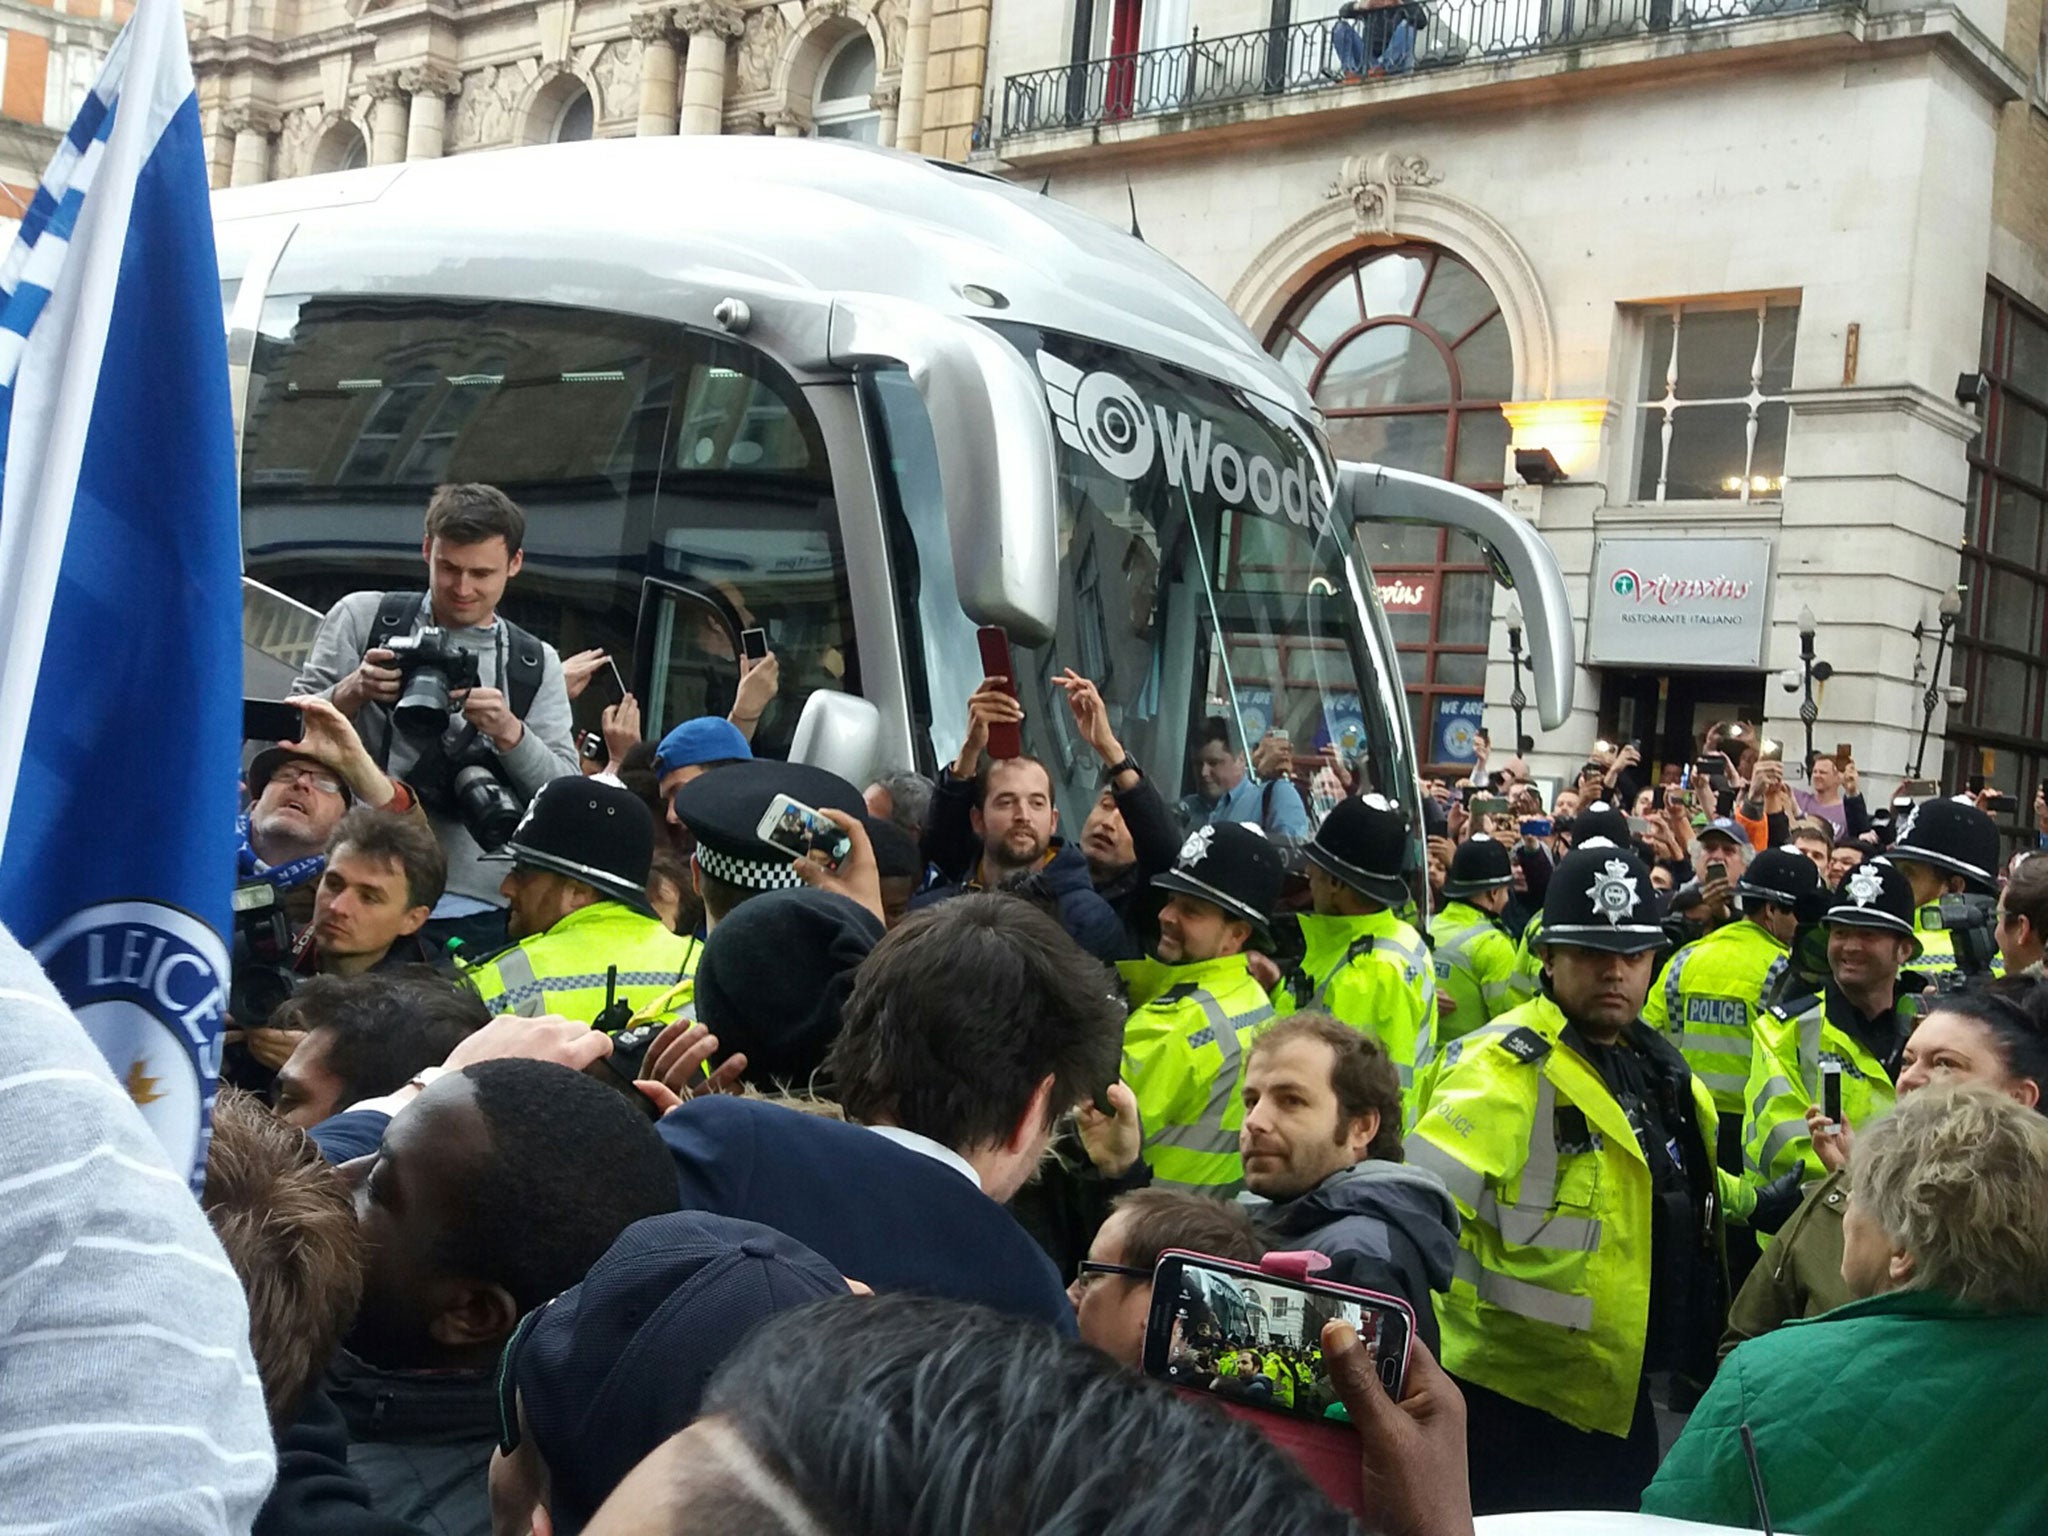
(706, 739)
(1724, 826)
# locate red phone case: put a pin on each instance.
(1004, 741)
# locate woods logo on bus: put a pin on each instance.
(1101, 415)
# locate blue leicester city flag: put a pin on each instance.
(120, 609)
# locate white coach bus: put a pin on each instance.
(862, 400)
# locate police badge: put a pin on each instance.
(1196, 848)
(1864, 885)
(1613, 892)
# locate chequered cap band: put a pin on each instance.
(748, 874)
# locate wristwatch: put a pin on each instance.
(1128, 765)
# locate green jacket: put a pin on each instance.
(1800, 1274)
(1901, 1415)
(564, 970)
(1707, 1001)
(1184, 1048)
(1475, 968)
(1373, 973)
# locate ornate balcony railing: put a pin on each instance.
(1329, 53)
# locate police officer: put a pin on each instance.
(1859, 1021)
(577, 905)
(723, 809)
(1597, 822)
(1944, 848)
(1580, 1150)
(1360, 962)
(1195, 1005)
(1474, 957)
(1711, 991)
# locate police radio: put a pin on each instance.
(623, 1066)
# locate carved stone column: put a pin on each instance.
(656, 30)
(917, 41)
(885, 101)
(749, 125)
(710, 25)
(387, 117)
(253, 127)
(790, 125)
(426, 120)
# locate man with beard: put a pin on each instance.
(1014, 822)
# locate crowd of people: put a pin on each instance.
(608, 1167)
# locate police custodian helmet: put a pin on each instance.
(601, 834)
(1600, 897)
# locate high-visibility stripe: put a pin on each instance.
(1204, 1153)
(522, 994)
(1721, 1082)
(1781, 1136)
(1522, 1298)
(1674, 1000)
(1466, 1186)
(1729, 1045)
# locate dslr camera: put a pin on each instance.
(431, 672)
(1968, 919)
(260, 975)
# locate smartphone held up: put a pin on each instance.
(800, 831)
(1005, 738)
(1233, 1332)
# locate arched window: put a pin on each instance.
(576, 121)
(845, 107)
(341, 148)
(1406, 351)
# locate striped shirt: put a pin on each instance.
(128, 1398)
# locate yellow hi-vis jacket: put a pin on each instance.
(1550, 1297)
(1707, 1001)
(1184, 1050)
(1792, 1040)
(1373, 973)
(1528, 979)
(563, 971)
(1475, 968)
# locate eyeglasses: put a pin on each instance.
(312, 778)
(1088, 1269)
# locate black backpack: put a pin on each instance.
(399, 611)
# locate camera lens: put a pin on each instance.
(423, 708)
(488, 808)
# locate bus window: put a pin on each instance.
(639, 449)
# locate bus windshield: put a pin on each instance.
(1204, 588)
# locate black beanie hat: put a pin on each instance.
(775, 975)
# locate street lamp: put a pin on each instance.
(1947, 611)
(1810, 672)
(1517, 700)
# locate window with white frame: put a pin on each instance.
(846, 108)
(1711, 413)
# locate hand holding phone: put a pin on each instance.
(800, 832)
(266, 721)
(753, 644)
(1831, 1094)
(1005, 737)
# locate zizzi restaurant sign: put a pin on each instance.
(1679, 603)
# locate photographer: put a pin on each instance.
(466, 706)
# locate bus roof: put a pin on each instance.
(837, 217)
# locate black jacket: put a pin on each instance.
(421, 1442)
(316, 1493)
(1387, 1227)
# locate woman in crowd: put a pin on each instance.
(1995, 1037)
(1906, 1410)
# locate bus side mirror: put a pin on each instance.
(841, 733)
(997, 455)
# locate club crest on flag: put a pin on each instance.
(149, 983)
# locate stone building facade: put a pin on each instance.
(295, 87)
(50, 54)
(1702, 288)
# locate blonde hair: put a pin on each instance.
(1958, 1179)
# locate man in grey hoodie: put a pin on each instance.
(1321, 1143)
